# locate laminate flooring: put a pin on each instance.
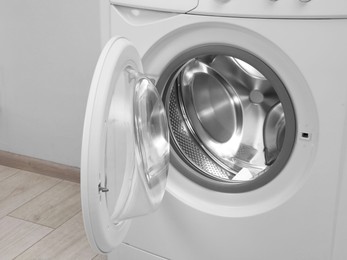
(40, 218)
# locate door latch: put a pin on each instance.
(102, 189)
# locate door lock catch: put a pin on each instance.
(102, 189)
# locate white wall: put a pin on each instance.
(48, 50)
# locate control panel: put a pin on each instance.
(273, 8)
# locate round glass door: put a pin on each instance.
(125, 147)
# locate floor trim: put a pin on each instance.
(43, 167)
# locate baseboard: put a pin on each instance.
(48, 168)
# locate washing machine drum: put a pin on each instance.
(231, 119)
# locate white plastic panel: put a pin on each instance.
(274, 8)
(128, 252)
(299, 220)
(178, 6)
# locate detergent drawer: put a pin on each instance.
(178, 6)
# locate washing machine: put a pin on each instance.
(215, 129)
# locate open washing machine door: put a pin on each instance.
(125, 149)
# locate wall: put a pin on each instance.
(48, 51)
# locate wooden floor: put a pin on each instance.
(40, 218)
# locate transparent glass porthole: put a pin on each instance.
(231, 119)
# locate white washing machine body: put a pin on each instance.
(298, 213)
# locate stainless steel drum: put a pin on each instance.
(229, 118)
